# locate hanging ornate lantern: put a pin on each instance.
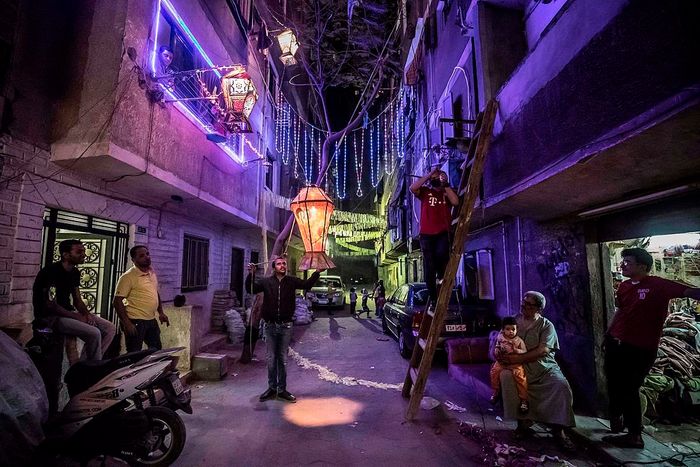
(289, 45)
(239, 91)
(312, 210)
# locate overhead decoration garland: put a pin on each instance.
(358, 162)
(358, 250)
(386, 143)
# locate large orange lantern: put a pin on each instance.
(239, 91)
(312, 210)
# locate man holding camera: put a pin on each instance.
(437, 199)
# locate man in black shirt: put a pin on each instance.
(56, 298)
(278, 306)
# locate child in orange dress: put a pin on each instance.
(509, 343)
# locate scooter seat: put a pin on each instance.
(84, 374)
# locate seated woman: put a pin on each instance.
(549, 391)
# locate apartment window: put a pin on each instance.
(269, 171)
(195, 263)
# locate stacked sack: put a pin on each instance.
(676, 371)
(234, 326)
(302, 311)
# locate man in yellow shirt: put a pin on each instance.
(137, 302)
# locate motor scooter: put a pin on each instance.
(122, 408)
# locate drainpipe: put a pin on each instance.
(520, 258)
(505, 265)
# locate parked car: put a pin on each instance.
(404, 311)
(329, 291)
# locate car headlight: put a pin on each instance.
(337, 294)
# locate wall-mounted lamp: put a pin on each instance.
(289, 45)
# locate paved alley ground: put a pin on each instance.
(337, 421)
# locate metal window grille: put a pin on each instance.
(195, 263)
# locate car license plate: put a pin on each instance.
(177, 385)
(323, 301)
(455, 327)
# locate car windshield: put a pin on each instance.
(420, 297)
(327, 283)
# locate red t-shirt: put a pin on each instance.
(435, 214)
(642, 308)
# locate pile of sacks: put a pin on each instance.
(667, 389)
(302, 311)
(234, 326)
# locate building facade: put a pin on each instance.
(104, 141)
(592, 147)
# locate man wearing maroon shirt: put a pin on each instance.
(436, 201)
(632, 340)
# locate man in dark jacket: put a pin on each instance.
(278, 313)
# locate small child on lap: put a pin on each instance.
(509, 343)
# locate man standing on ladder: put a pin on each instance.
(436, 200)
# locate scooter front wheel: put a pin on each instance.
(168, 437)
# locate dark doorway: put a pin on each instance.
(237, 272)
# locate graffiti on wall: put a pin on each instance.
(563, 283)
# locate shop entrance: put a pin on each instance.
(671, 392)
(105, 243)
(676, 256)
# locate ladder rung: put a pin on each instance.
(430, 312)
(414, 374)
(466, 163)
(462, 191)
(422, 343)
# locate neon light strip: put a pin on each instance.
(177, 17)
(240, 158)
(155, 40)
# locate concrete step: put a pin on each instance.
(212, 341)
(591, 430)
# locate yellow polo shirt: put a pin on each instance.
(141, 292)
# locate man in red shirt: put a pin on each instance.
(632, 340)
(436, 200)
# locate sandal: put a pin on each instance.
(524, 407)
(523, 432)
(564, 442)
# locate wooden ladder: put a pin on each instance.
(433, 319)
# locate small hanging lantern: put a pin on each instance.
(289, 45)
(239, 91)
(312, 210)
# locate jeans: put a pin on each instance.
(107, 331)
(436, 254)
(277, 337)
(91, 335)
(626, 366)
(148, 331)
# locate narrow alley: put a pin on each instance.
(347, 375)
(514, 185)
